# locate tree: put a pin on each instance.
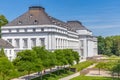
(76, 56)
(42, 54)
(116, 69)
(39, 67)
(3, 21)
(101, 45)
(108, 46)
(60, 56)
(5, 67)
(2, 53)
(117, 46)
(26, 61)
(61, 60)
(52, 59)
(100, 66)
(69, 56)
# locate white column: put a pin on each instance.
(37, 42)
(56, 43)
(29, 43)
(21, 43)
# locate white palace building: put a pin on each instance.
(37, 28)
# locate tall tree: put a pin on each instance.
(101, 45)
(5, 65)
(42, 54)
(108, 46)
(69, 56)
(3, 21)
(2, 53)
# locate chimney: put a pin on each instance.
(74, 22)
(36, 8)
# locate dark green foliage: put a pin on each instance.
(3, 21)
(101, 45)
(109, 45)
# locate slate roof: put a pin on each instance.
(5, 44)
(76, 25)
(37, 16)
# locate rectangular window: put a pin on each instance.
(17, 30)
(10, 52)
(33, 42)
(81, 43)
(34, 29)
(9, 30)
(25, 43)
(42, 29)
(17, 44)
(42, 41)
(82, 53)
(25, 30)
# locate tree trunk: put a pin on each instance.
(41, 75)
(28, 74)
(64, 69)
(58, 70)
(44, 71)
(50, 70)
(3, 77)
(99, 71)
(118, 74)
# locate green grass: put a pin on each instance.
(55, 75)
(113, 57)
(108, 64)
(82, 65)
(93, 78)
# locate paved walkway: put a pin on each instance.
(71, 76)
(96, 73)
(75, 74)
(34, 75)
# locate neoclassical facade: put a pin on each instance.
(37, 28)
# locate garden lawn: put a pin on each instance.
(93, 78)
(82, 65)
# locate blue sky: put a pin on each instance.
(100, 16)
